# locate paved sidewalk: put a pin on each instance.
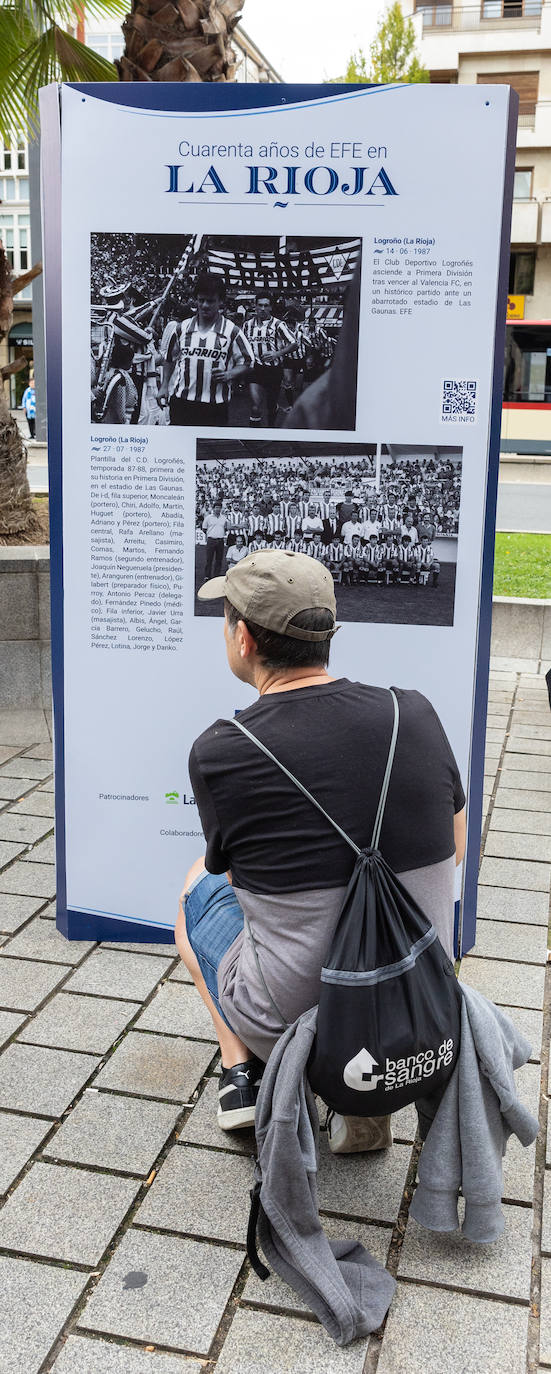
(123, 1222)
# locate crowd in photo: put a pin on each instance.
(364, 530)
(185, 334)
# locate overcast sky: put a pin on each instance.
(311, 40)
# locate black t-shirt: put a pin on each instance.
(335, 739)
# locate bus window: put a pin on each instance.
(528, 363)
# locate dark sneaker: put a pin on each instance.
(237, 1095)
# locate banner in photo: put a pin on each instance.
(260, 336)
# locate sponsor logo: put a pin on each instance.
(360, 1073)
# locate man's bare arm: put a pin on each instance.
(460, 834)
(169, 364)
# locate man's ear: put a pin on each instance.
(247, 645)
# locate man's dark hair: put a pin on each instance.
(280, 651)
(208, 284)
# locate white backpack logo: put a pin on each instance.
(359, 1072)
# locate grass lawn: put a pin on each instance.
(523, 565)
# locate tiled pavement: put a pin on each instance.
(124, 1208)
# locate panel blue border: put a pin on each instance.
(211, 97)
(467, 921)
(50, 170)
(225, 97)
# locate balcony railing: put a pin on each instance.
(491, 14)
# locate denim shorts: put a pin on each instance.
(214, 919)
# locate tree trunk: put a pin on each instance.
(179, 40)
(16, 512)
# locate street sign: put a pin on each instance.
(515, 307)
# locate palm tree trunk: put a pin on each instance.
(179, 40)
(16, 512)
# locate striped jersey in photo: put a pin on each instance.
(267, 336)
(257, 523)
(199, 354)
(311, 338)
(293, 526)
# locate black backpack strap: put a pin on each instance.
(384, 789)
(258, 1266)
(388, 770)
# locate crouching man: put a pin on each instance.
(257, 914)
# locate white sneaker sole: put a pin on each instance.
(237, 1120)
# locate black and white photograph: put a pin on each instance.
(214, 330)
(383, 518)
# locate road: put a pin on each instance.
(37, 474)
(524, 506)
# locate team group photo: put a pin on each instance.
(214, 330)
(383, 518)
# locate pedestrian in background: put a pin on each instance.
(28, 401)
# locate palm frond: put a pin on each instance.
(30, 60)
(43, 13)
(101, 9)
(40, 15)
(77, 62)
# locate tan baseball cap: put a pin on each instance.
(272, 586)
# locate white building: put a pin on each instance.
(509, 41)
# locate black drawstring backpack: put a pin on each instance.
(389, 1011)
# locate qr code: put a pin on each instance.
(458, 398)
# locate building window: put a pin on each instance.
(13, 158)
(108, 45)
(23, 185)
(528, 363)
(510, 9)
(439, 16)
(523, 183)
(7, 188)
(6, 236)
(522, 270)
(23, 249)
(524, 83)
